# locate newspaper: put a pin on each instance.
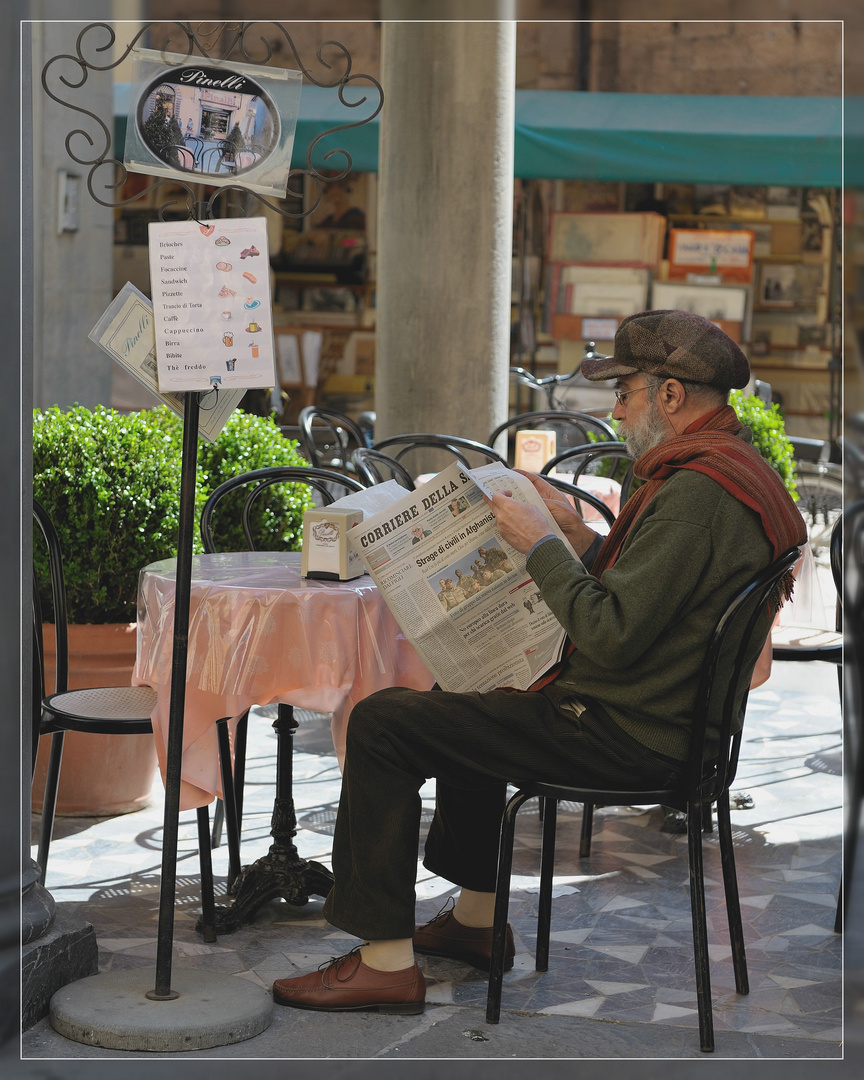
(461, 595)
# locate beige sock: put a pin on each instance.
(393, 954)
(475, 908)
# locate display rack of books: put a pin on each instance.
(789, 331)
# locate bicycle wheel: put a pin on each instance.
(820, 500)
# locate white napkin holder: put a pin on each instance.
(327, 552)
(533, 449)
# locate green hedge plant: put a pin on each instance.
(769, 435)
(111, 484)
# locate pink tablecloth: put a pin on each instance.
(605, 488)
(259, 633)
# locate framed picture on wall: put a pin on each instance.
(784, 202)
(716, 302)
(778, 284)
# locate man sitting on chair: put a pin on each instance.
(639, 610)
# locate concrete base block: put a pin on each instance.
(66, 952)
(111, 1010)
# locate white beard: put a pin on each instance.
(646, 433)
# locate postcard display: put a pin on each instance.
(757, 261)
(786, 330)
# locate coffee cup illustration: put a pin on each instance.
(226, 315)
(253, 328)
(228, 339)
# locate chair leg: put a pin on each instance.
(838, 914)
(587, 830)
(853, 768)
(49, 802)
(700, 928)
(547, 868)
(502, 903)
(239, 783)
(208, 901)
(707, 819)
(228, 799)
(218, 822)
(240, 767)
(733, 906)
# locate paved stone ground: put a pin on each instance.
(620, 980)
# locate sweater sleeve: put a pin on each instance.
(614, 622)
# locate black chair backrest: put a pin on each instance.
(321, 480)
(570, 427)
(374, 467)
(462, 449)
(835, 551)
(580, 495)
(58, 598)
(735, 645)
(578, 460)
(328, 436)
(45, 526)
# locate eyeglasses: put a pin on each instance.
(620, 395)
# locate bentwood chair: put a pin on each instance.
(714, 749)
(853, 696)
(375, 467)
(104, 710)
(804, 643)
(591, 457)
(571, 428)
(467, 451)
(327, 484)
(579, 495)
(327, 437)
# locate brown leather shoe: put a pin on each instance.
(347, 984)
(446, 936)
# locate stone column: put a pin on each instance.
(57, 947)
(445, 223)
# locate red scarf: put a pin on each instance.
(710, 445)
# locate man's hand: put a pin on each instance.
(565, 514)
(520, 525)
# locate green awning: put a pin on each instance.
(853, 129)
(684, 138)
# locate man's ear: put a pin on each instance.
(673, 395)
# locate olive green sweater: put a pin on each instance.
(640, 636)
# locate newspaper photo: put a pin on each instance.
(460, 593)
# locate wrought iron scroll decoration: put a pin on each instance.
(236, 38)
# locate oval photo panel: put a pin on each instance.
(207, 120)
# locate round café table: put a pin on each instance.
(261, 634)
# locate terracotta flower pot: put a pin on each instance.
(102, 775)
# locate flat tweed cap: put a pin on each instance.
(675, 344)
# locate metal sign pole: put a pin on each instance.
(174, 752)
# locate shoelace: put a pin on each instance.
(338, 962)
(449, 905)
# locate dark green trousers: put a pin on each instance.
(472, 744)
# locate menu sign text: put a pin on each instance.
(212, 311)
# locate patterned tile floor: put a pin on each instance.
(621, 948)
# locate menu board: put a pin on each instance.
(212, 311)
